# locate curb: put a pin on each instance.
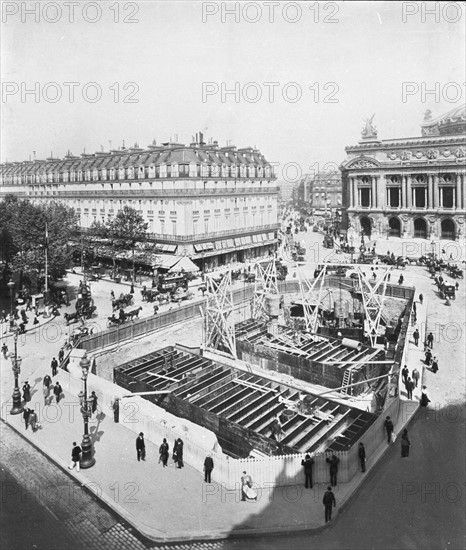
(159, 537)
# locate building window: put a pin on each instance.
(394, 197)
(420, 197)
(447, 194)
(365, 197)
(174, 227)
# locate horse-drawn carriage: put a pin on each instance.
(455, 271)
(449, 291)
(123, 301)
(85, 307)
(169, 283)
(124, 316)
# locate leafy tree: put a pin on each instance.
(23, 228)
(126, 229)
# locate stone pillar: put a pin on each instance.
(458, 192)
(430, 194)
(409, 191)
(463, 190)
(351, 192)
(403, 193)
(435, 194)
(373, 192)
(381, 191)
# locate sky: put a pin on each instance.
(303, 78)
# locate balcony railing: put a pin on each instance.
(106, 193)
(213, 235)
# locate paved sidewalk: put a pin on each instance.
(167, 504)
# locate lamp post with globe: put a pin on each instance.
(87, 458)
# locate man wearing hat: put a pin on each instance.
(141, 447)
(329, 503)
(208, 467)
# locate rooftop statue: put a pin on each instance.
(369, 130)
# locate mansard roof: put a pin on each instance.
(170, 153)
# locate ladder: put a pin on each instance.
(347, 379)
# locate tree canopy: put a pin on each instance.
(23, 230)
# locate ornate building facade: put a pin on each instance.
(409, 187)
(214, 204)
(323, 191)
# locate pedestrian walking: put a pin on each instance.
(401, 279)
(333, 461)
(421, 299)
(362, 456)
(61, 354)
(57, 390)
(415, 377)
(424, 399)
(435, 365)
(329, 502)
(35, 321)
(141, 447)
(405, 444)
(5, 350)
(132, 289)
(414, 307)
(116, 410)
(307, 464)
(409, 388)
(428, 358)
(112, 295)
(75, 457)
(26, 417)
(54, 365)
(388, 425)
(164, 452)
(26, 392)
(430, 340)
(405, 373)
(46, 388)
(416, 336)
(208, 467)
(457, 285)
(94, 401)
(33, 420)
(178, 453)
(388, 277)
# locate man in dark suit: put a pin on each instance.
(141, 447)
(75, 457)
(208, 467)
(388, 425)
(329, 503)
(307, 463)
(333, 461)
(54, 365)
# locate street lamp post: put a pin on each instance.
(87, 459)
(11, 286)
(17, 407)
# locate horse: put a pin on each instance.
(71, 317)
(133, 313)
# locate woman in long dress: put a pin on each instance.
(247, 490)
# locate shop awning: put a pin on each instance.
(184, 264)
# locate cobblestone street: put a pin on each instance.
(49, 509)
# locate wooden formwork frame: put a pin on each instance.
(219, 333)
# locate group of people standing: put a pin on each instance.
(164, 451)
